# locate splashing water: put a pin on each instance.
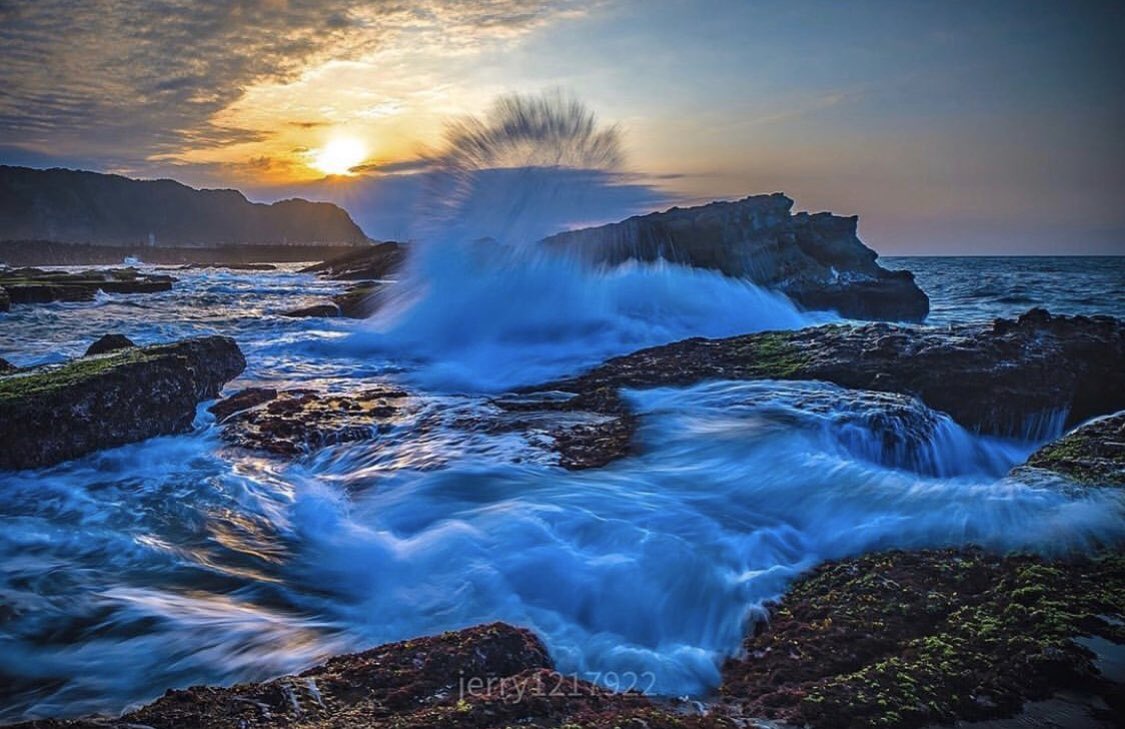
(179, 561)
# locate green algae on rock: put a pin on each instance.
(906, 639)
(56, 412)
(1093, 453)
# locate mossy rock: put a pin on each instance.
(907, 639)
(1092, 454)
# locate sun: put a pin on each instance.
(339, 156)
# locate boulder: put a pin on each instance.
(1027, 377)
(378, 261)
(816, 260)
(109, 343)
(53, 413)
(36, 286)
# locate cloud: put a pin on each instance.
(123, 81)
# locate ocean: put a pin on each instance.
(180, 560)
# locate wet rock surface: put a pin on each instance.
(56, 412)
(37, 286)
(355, 302)
(1008, 377)
(817, 260)
(1093, 453)
(909, 639)
(414, 684)
(297, 421)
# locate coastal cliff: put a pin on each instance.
(71, 206)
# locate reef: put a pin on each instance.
(36, 286)
(53, 413)
(297, 421)
(1020, 377)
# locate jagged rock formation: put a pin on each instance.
(816, 260)
(368, 263)
(57, 412)
(88, 207)
(1008, 377)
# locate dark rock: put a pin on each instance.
(359, 301)
(378, 261)
(1009, 379)
(910, 639)
(5, 300)
(56, 412)
(109, 343)
(1093, 453)
(816, 260)
(242, 400)
(356, 302)
(416, 684)
(316, 310)
(36, 286)
(87, 207)
(6, 366)
(297, 421)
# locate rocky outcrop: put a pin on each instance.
(488, 677)
(816, 260)
(6, 366)
(1093, 453)
(378, 261)
(355, 302)
(36, 286)
(910, 639)
(109, 343)
(1008, 377)
(87, 207)
(56, 412)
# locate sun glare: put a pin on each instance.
(339, 156)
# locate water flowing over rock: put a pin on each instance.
(300, 420)
(1093, 453)
(56, 412)
(817, 260)
(1028, 377)
(487, 677)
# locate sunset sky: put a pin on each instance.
(949, 127)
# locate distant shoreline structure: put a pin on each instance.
(55, 253)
